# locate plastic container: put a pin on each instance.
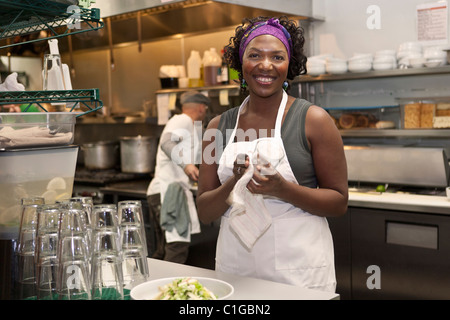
(194, 65)
(24, 173)
(167, 83)
(36, 129)
(211, 64)
(418, 114)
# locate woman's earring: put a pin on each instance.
(243, 84)
(285, 85)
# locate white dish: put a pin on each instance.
(447, 191)
(434, 63)
(417, 62)
(150, 289)
(383, 66)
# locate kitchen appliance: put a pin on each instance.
(89, 182)
(406, 166)
(409, 246)
(138, 154)
(101, 154)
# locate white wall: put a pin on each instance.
(345, 31)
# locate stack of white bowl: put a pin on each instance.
(315, 65)
(336, 65)
(384, 60)
(434, 56)
(360, 62)
(409, 52)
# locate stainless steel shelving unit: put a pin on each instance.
(305, 81)
(375, 74)
(23, 17)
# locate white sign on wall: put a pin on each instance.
(432, 22)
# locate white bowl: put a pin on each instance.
(311, 63)
(435, 63)
(383, 66)
(447, 191)
(150, 289)
(417, 62)
(336, 69)
(436, 52)
(363, 56)
(359, 67)
(316, 71)
(412, 46)
(385, 53)
(384, 59)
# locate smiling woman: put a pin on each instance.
(273, 223)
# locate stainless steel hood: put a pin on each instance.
(289, 7)
(147, 20)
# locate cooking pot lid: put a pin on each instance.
(101, 143)
(137, 138)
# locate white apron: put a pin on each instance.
(296, 249)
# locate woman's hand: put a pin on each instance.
(240, 165)
(270, 185)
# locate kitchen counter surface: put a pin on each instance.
(386, 200)
(400, 201)
(245, 288)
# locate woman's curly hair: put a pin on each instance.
(297, 63)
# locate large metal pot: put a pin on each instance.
(138, 154)
(101, 155)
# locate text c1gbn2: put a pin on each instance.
(248, 309)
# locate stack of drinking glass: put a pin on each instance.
(74, 250)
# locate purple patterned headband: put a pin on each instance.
(272, 27)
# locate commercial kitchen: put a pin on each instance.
(381, 69)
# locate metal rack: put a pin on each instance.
(89, 98)
(23, 17)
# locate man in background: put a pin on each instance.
(174, 217)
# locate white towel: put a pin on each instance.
(249, 217)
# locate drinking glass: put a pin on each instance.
(26, 247)
(268, 155)
(73, 221)
(87, 205)
(130, 212)
(107, 277)
(73, 282)
(104, 217)
(133, 242)
(46, 251)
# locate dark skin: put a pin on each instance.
(265, 66)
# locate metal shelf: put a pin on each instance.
(396, 133)
(374, 74)
(23, 17)
(87, 98)
(218, 87)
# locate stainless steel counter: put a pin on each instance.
(402, 202)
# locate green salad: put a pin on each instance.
(185, 289)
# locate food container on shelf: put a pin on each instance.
(24, 173)
(371, 117)
(36, 129)
(426, 114)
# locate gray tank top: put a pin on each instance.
(292, 134)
